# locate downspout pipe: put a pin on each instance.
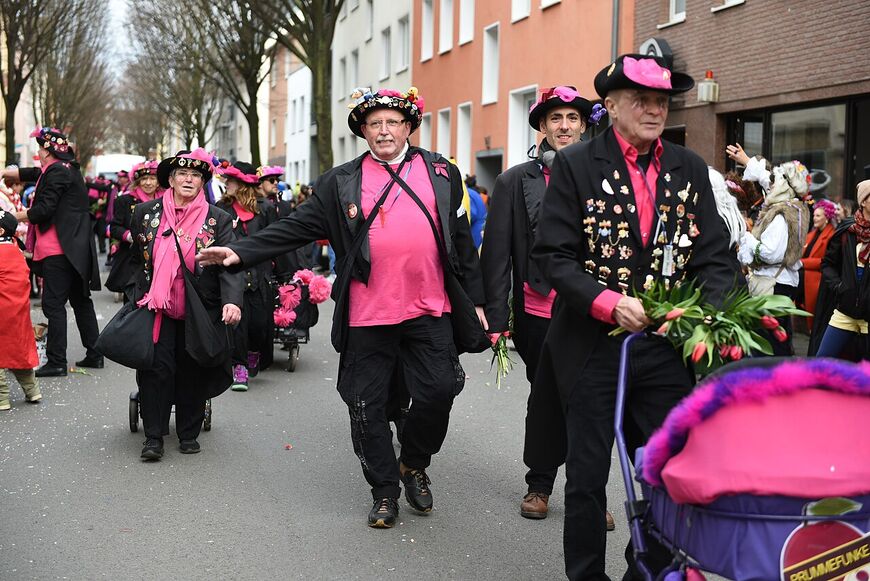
(614, 32)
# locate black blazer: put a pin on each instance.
(326, 215)
(61, 199)
(122, 221)
(510, 233)
(256, 277)
(588, 240)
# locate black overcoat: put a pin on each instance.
(216, 285)
(122, 219)
(256, 277)
(61, 200)
(588, 240)
(333, 213)
(510, 233)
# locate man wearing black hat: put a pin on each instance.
(561, 114)
(394, 216)
(621, 211)
(64, 253)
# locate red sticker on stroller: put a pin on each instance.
(826, 550)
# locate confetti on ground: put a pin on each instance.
(288, 446)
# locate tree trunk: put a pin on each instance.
(253, 117)
(11, 103)
(321, 81)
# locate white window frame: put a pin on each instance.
(727, 4)
(386, 54)
(273, 133)
(293, 105)
(491, 63)
(425, 132)
(303, 114)
(464, 128)
(427, 31)
(341, 79)
(353, 69)
(370, 20)
(519, 130)
(548, 3)
(466, 21)
(354, 4)
(403, 44)
(520, 9)
(444, 131)
(445, 26)
(674, 17)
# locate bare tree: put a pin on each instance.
(306, 28)
(72, 86)
(30, 30)
(138, 123)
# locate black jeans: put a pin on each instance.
(252, 332)
(659, 381)
(784, 348)
(545, 443)
(61, 283)
(424, 349)
(170, 382)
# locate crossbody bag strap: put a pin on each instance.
(361, 234)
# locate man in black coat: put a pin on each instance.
(561, 114)
(64, 253)
(391, 296)
(621, 211)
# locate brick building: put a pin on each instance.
(792, 80)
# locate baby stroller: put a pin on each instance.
(135, 414)
(762, 473)
(292, 331)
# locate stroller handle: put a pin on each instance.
(631, 505)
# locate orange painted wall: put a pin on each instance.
(566, 43)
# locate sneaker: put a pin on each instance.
(534, 505)
(189, 447)
(417, 491)
(609, 522)
(384, 513)
(153, 449)
(240, 378)
(253, 363)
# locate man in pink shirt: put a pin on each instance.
(621, 211)
(395, 218)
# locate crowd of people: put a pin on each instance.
(550, 258)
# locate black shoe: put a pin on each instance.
(189, 447)
(153, 449)
(384, 513)
(94, 362)
(51, 371)
(417, 491)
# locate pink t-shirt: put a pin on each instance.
(47, 243)
(407, 278)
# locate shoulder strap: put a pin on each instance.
(361, 233)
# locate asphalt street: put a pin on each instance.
(277, 491)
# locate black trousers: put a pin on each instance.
(783, 348)
(252, 332)
(659, 381)
(171, 381)
(61, 283)
(545, 443)
(100, 231)
(424, 349)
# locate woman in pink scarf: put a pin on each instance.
(181, 213)
(143, 189)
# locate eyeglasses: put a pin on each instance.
(391, 124)
(647, 101)
(187, 173)
(271, 180)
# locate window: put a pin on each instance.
(273, 73)
(521, 136)
(490, 64)
(677, 10)
(386, 54)
(445, 26)
(370, 19)
(443, 146)
(520, 9)
(403, 45)
(293, 116)
(463, 138)
(427, 34)
(273, 133)
(466, 21)
(354, 4)
(287, 62)
(426, 131)
(340, 81)
(343, 11)
(726, 4)
(354, 69)
(303, 114)
(548, 3)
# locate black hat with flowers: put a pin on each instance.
(640, 71)
(55, 142)
(409, 104)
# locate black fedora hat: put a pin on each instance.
(197, 159)
(57, 143)
(638, 71)
(558, 96)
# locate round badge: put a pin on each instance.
(155, 223)
(352, 211)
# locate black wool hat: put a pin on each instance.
(638, 71)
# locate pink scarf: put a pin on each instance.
(30, 242)
(142, 196)
(165, 259)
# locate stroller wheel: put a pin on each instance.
(294, 358)
(134, 411)
(206, 422)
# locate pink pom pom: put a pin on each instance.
(304, 275)
(283, 317)
(290, 296)
(319, 290)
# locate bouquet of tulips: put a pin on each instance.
(711, 336)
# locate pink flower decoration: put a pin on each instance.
(441, 169)
(303, 275)
(647, 72)
(283, 317)
(290, 296)
(390, 93)
(319, 289)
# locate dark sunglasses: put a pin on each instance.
(271, 180)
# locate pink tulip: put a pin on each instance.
(780, 335)
(674, 314)
(769, 322)
(663, 329)
(699, 351)
(736, 352)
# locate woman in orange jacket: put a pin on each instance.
(814, 251)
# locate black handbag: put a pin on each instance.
(469, 336)
(207, 339)
(128, 338)
(343, 274)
